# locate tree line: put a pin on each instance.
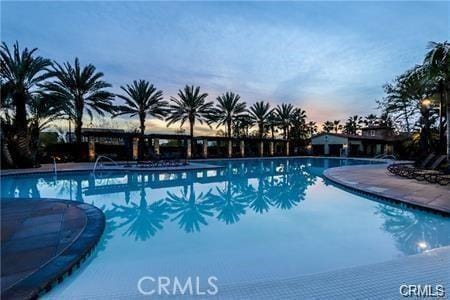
(36, 91)
(418, 101)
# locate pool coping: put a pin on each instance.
(88, 166)
(54, 270)
(378, 195)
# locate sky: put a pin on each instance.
(329, 58)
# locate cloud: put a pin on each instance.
(329, 58)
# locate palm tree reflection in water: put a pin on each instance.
(143, 220)
(229, 202)
(412, 230)
(190, 210)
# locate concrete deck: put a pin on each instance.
(43, 240)
(378, 181)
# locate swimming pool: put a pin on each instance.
(249, 221)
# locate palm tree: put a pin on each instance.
(298, 125)
(260, 112)
(370, 120)
(84, 89)
(284, 114)
(190, 106)
(312, 128)
(272, 122)
(242, 124)
(228, 108)
(353, 124)
(328, 126)
(142, 99)
(21, 72)
(437, 63)
(43, 110)
(337, 126)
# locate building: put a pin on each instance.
(374, 140)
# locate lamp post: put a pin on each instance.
(425, 106)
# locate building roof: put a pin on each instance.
(393, 138)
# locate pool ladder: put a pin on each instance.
(98, 159)
(54, 167)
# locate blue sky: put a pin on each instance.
(330, 58)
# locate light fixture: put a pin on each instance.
(422, 245)
(426, 103)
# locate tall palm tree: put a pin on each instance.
(337, 126)
(84, 89)
(284, 114)
(327, 126)
(190, 106)
(242, 124)
(20, 74)
(298, 124)
(228, 108)
(42, 111)
(312, 128)
(260, 112)
(142, 99)
(437, 62)
(353, 124)
(370, 120)
(272, 122)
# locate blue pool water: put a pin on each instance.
(252, 220)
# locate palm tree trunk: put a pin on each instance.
(229, 128)
(23, 155)
(441, 115)
(141, 142)
(191, 128)
(20, 120)
(448, 129)
(34, 135)
(22, 141)
(78, 137)
(141, 135)
(7, 160)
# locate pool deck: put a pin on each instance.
(43, 240)
(89, 166)
(378, 181)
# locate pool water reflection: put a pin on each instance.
(250, 220)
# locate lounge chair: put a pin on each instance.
(421, 174)
(403, 169)
(440, 177)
